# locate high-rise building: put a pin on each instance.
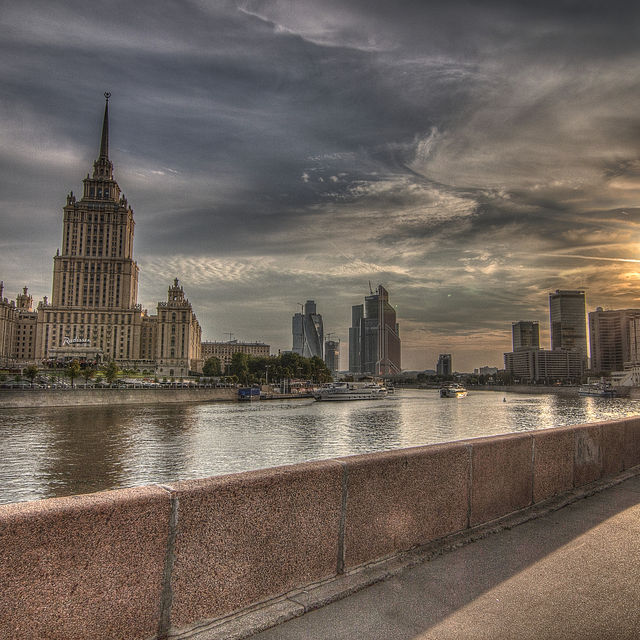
(332, 355)
(525, 334)
(378, 336)
(94, 313)
(308, 336)
(568, 322)
(444, 366)
(614, 337)
(355, 339)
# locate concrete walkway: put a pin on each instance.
(574, 573)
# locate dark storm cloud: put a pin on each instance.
(458, 152)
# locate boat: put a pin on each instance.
(341, 391)
(601, 389)
(453, 391)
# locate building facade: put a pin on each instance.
(525, 334)
(543, 365)
(7, 328)
(568, 322)
(93, 314)
(355, 340)
(614, 338)
(444, 367)
(224, 350)
(332, 356)
(376, 347)
(307, 330)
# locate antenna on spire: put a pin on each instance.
(104, 141)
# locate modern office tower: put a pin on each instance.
(525, 334)
(307, 332)
(568, 321)
(94, 313)
(332, 355)
(355, 339)
(377, 338)
(374, 336)
(444, 367)
(614, 337)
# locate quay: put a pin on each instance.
(523, 535)
(571, 573)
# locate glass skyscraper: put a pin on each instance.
(568, 322)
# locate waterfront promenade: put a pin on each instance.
(572, 573)
(492, 526)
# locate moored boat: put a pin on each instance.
(341, 391)
(453, 391)
(601, 389)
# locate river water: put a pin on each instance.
(63, 451)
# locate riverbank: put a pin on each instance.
(83, 397)
(622, 392)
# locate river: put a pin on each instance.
(65, 451)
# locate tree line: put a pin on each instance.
(248, 369)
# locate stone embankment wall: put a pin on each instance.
(81, 397)
(164, 561)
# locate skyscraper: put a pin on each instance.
(614, 337)
(376, 346)
(525, 334)
(94, 313)
(355, 339)
(444, 366)
(568, 322)
(308, 336)
(332, 355)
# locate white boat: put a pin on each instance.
(453, 391)
(340, 391)
(600, 389)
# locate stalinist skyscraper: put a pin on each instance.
(94, 313)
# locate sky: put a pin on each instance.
(469, 156)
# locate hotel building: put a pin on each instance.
(93, 314)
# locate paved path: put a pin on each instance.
(574, 573)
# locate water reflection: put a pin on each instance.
(53, 452)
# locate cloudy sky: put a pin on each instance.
(469, 156)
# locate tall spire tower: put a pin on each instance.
(95, 271)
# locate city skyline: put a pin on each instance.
(277, 152)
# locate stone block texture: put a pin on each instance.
(502, 476)
(631, 443)
(587, 454)
(612, 443)
(552, 462)
(400, 499)
(248, 537)
(83, 567)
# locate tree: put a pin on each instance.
(212, 367)
(240, 366)
(30, 373)
(88, 373)
(111, 372)
(73, 371)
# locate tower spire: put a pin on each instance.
(104, 142)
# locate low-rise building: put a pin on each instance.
(224, 350)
